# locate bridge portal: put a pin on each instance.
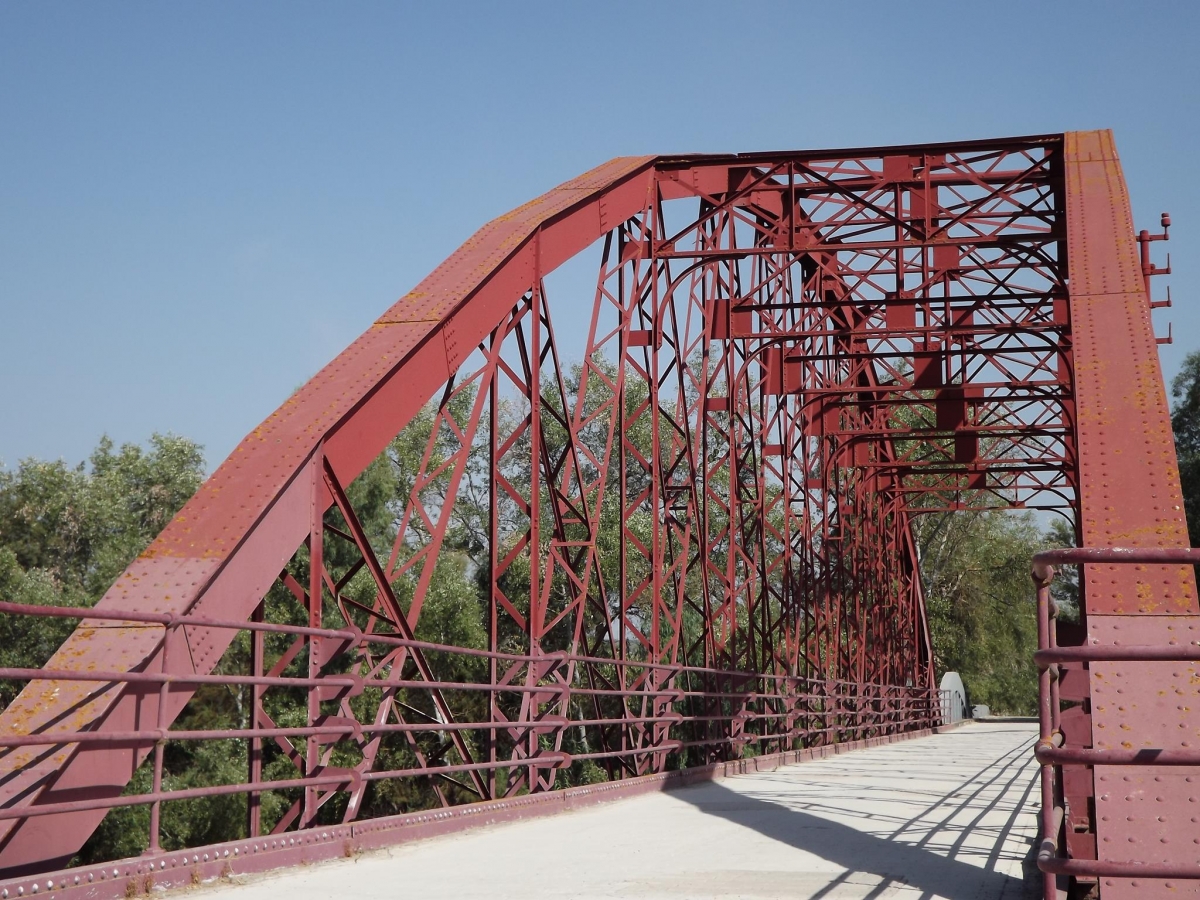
(660, 436)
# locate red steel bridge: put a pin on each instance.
(668, 429)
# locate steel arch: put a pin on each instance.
(830, 343)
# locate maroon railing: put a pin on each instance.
(1052, 750)
(724, 714)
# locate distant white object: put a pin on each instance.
(979, 711)
(954, 698)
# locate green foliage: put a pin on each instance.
(25, 642)
(981, 605)
(975, 572)
(67, 532)
(1064, 589)
(83, 525)
(1185, 421)
(979, 598)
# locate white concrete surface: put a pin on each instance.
(950, 816)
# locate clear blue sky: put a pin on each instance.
(202, 203)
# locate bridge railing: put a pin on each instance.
(634, 714)
(1053, 749)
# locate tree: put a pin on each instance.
(66, 532)
(981, 603)
(1064, 589)
(1185, 421)
(975, 568)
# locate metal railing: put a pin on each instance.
(1052, 751)
(636, 717)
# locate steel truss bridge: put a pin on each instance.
(671, 425)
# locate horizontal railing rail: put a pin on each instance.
(1050, 751)
(644, 710)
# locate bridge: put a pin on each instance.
(662, 434)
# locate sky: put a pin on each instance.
(202, 204)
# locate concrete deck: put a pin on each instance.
(950, 816)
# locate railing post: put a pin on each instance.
(316, 567)
(160, 719)
(254, 799)
(1042, 577)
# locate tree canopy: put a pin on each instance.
(66, 532)
(1185, 422)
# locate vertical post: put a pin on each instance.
(657, 512)
(624, 311)
(733, 504)
(536, 612)
(254, 799)
(160, 724)
(708, 655)
(1054, 675)
(535, 469)
(316, 568)
(494, 551)
(1046, 717)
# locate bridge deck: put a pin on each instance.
(953, 815)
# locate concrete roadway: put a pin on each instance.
(951, 816)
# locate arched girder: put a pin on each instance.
(223, 551)
(771, 379)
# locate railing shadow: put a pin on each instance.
(906, 856)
